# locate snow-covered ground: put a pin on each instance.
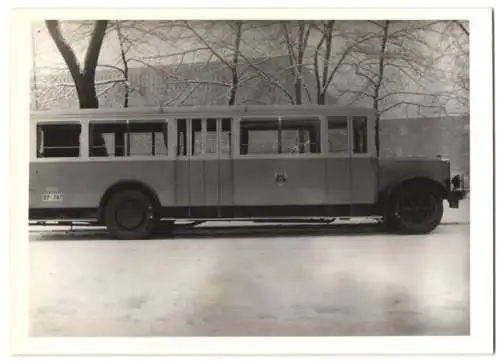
(312, 280)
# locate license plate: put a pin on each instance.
(52, 196)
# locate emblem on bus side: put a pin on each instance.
(280, 177)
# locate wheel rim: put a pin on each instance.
(131, 213)
(416, 208)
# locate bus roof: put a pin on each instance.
(199, 112)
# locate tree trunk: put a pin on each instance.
(84, 79)
(125, 65)
(234, 65)
(303, 35)
(328, 39)
(381, 67)
(296, 57)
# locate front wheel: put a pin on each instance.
(130, 214)
(414, 209)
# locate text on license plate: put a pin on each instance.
(52, 196)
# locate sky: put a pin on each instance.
(151, 48)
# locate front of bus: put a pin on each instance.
(457, 190)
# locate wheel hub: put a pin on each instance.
(131, 213)
(416, 208)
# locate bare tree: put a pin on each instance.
(84, 78)
(455, 48)
(394, 69)
(296, 45)
(218, 50)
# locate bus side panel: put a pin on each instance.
(82, 184)
(257, 181)
(226, 182)
(196, 182)
(364, 176)
(338, 171)
(211, 182)
(182, 187)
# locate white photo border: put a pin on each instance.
(481, 224)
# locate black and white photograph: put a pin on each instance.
(248, 177)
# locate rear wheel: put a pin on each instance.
(130, 214)
(414, 209)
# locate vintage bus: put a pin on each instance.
(129, 169)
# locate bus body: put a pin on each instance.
(128, 168)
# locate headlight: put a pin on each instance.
(456, 181)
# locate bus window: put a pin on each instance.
(359, 134)
(225, 140)
(147, 139)
(259, 137)
(58, 140)
(107, 139)
(181, 138)
(337, 134)
(300, 136)
(196, 137)
(211, 141)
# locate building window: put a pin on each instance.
(58, 140)
(338, 134)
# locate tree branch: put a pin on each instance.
(214, 52)
(65, 50)
(94, 48)
(411, 104)
(462, 27)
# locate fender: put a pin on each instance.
(126, 184)
(385, 195)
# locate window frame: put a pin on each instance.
(35, 137)
(279, 119)
(153, 144)
(262, 119)
(340, 154)
(232, 135)
(204, 137)
(319, 140)
(166, 121)
(368, 134)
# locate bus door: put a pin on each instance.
(225, 141)
(189, 180)
(337, 161)
(280, 162)
(182, 189)
(203, 161)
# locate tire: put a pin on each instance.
(414, 209)
(130, 214)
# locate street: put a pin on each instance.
(255, 280)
